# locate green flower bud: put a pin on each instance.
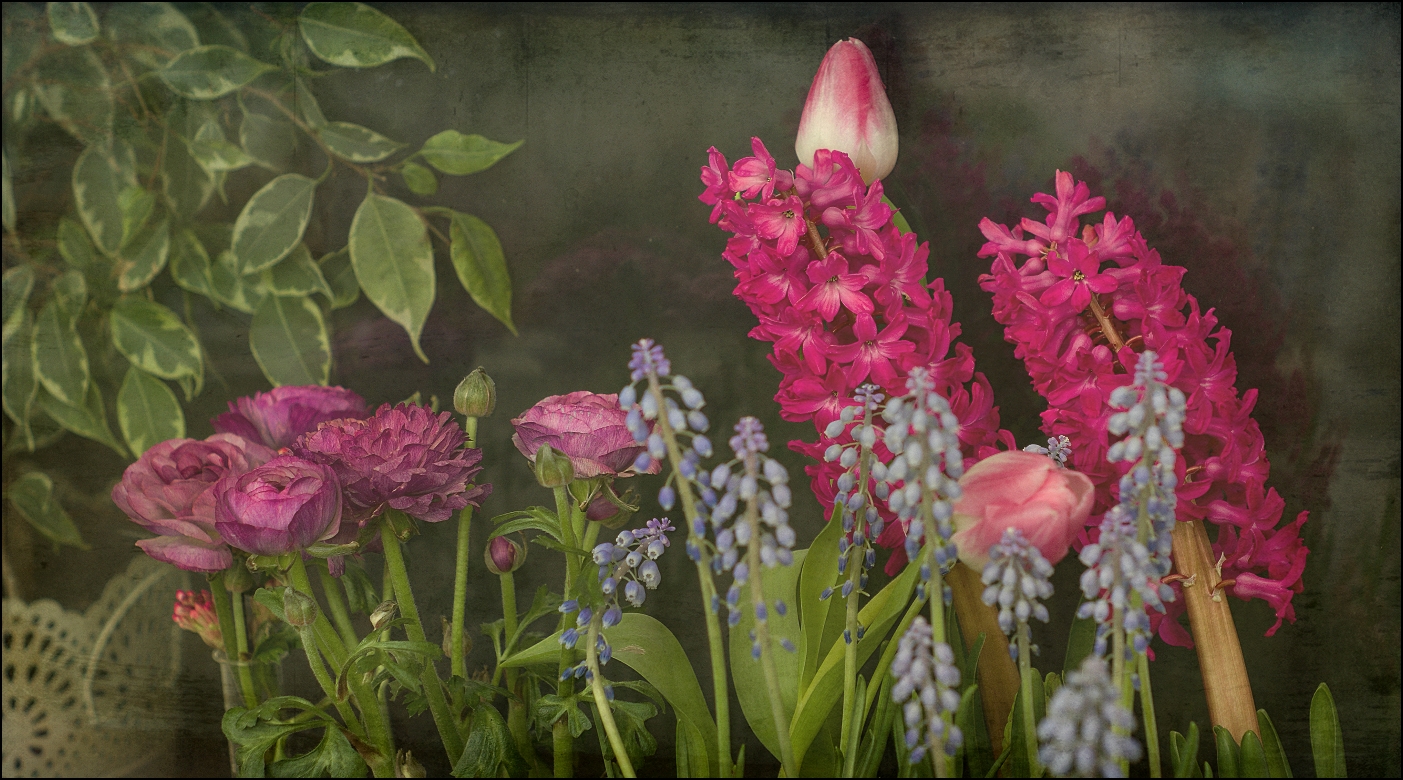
(299, 609)
(553, 469)
(476, 395)
(237, 578)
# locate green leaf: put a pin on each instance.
(233, 289)
(147, 411)
(189, 263)
(8, 198)
(33, 495)
(690, 751)
(356, 143)
(137, 205)
(99, 179)
(747, 677)
(144, 257)
(154, 339)
(88, 420)
(73, 23)
(214, 27)
(420, 180)
(394, 263)
(273, 221)
(360, 591)
(270, 141)
(1018, 759)
(477, 257)
(1253, 757)
(75, 246)
(186, 183)
(1277, 764)
(1184, 752)
(209, 72)
(212, 150)
(1080, 642)
(457, 154)
(76, 92)
(490, 747)
(306, 104)
(879, 615)
(1228, 752)
(820, 571)
(534, 519)
(333, 756)
(340, 276)
(156, 31)
(354, 35)
(296, 275)
(1327, 743)
(256, 731)
(289, 341)
(60, 361)
(20, 383)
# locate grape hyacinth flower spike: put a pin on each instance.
(926, 686)
(1017, 582)
(1086, 731)
(1059, 448)
(862, 521)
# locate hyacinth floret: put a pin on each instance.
(685, 420)
(1086, 731)
(1017, 580)
(862, 521)
(762, 484)
(921, 482)
(926, 686)
(1059, 448)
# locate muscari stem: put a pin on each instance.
(233, 648)
(762, 637)
(854, 566)
(720, 687)
(1147, 709)
(433, 687)
(332, 589)
(459, 662)
(936, 594)
(1025, 676)
(1220, 661)
(601, 702)
(562, 739)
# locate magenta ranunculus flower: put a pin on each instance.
(284, 505)
(403, 457)
(280, 415)
(588, 427)
(848, 111)
(168, 491)
(1024, 491)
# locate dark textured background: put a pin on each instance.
(1259, 147)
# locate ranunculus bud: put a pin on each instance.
(194, 611)
(504, 555)
(238, 579)
(1021, 490)
(476, 395)
(848, 111)
(299, 609)
(283, 506)
(553, 469)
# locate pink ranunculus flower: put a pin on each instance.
(285, 505)
(403, 457)
(168, 491)
(589, 428)
(848, 111)
(1022, 490)
(280, 415)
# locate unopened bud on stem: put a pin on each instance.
(553, 468)
(299, 609)
(476, 395)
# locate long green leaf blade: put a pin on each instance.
(1326, 740)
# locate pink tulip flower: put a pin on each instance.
(1022, 490)
(848, 111)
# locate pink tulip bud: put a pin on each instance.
(1022, 490)
(848, 111)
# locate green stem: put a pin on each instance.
(850, 638)
(459, 662)
(332, 589)
(325, 642)
(1025, 678)
(234, 649)
(563, 740)
(601, 702)
(1147, 707)
(433, 686)
(516, 706)
(935, 591)
(762, 637)
(720, 687)
(314, 660)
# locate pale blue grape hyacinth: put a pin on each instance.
(1017, 580)
(926, 685)
(1086, 731)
